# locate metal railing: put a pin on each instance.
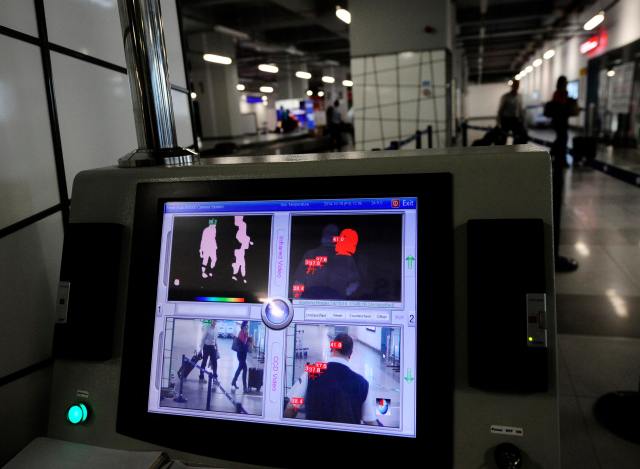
(417, 136)
(465, 127)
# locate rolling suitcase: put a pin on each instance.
(188, 366)
(584, 148)
(255, 378)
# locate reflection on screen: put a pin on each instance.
(343, 275)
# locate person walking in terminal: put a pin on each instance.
(209, 346)
(559, 109)
(338, 394)
(334, 124)
(511, 114)
(241, 347)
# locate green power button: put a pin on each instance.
(77, 413)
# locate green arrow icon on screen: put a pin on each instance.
(409, 377)
(410, 260)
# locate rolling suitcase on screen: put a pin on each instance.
(255, 378)
(188, 365)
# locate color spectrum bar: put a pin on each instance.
(220, 299)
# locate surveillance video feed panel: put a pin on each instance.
(289, 312)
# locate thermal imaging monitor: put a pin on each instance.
(297, 312)
(314, 310)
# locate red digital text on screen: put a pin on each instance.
(298, 290)
(297, 401)
(315, 369)
(315, 263)
(335, 345)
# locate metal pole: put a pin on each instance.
(418, 140)
(180, 397)
(209, 392)
(464, 134)
(145, 53)
(430, 136)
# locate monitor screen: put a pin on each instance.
(573, 89)
(298, 313)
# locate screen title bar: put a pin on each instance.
(389, 203)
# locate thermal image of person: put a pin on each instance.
(338, 394)
(347, 242)
(243, 341)
(209, 248)
(209, 347)
(337, 277)
(239, 266)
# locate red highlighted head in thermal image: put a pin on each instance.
(346, 242)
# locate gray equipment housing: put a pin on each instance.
(493, 182)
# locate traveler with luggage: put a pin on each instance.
(560, 109)
(209, 347)
(511, 114)
(241, 345)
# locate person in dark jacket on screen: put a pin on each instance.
(338, 394)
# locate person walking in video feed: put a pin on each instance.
(338, 394)
(330, 271)
(241, 347)
(209, 347)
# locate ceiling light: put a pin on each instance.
(303, 75)
(328, 79)
(594, 21)
(537, 62)
(268, 68)
(309, 93)
(611, 73)
(510, 82)
(347, 83)
(321, 93)
(193, 95)
(529, 69)
(550, 53)
(240, 87)
(217, 59)
(232, 32)
(343, 15)
(266, 89)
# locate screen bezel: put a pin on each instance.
(434, 422)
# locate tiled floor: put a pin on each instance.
(625, 158)
(598, 315)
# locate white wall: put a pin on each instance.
(363, 334)
(95, 118)
(622, 22)
(483, 100)
(389, 101)
(384, 26)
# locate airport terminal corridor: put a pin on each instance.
(598, 314)
(320, 233)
